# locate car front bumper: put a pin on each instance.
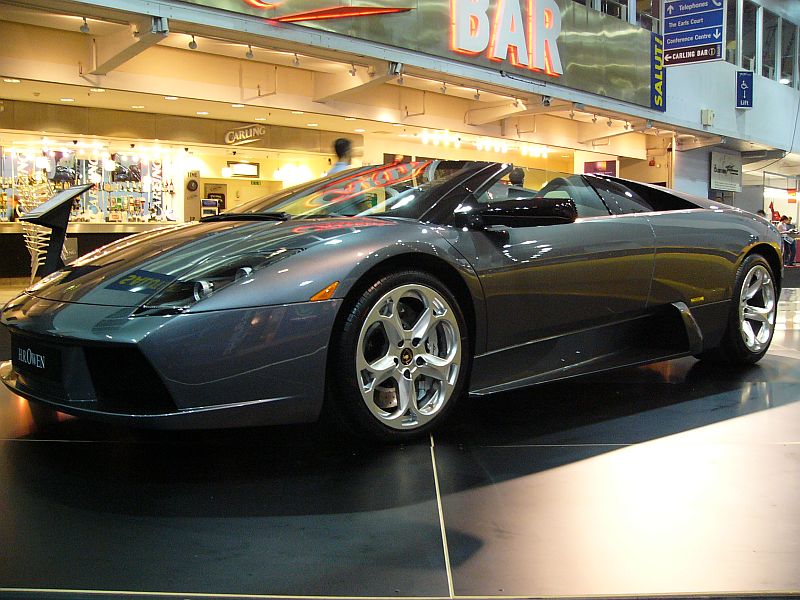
(251, 366)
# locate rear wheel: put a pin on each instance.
(401, 358)
(751, 320)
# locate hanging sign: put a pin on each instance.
(726, 172)
(693, 31)
(744, 89)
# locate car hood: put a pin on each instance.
(131, 270)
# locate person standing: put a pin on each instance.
(789, 243)
(344, 155)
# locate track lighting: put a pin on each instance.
(296, 61)
(594, 118)
(85, 27)
(192, 44)
(249, 53)
(571, 114)
(443, 89)
(610, 123)
(649, 124)
(477, 95)
(352, 71)
(628, 125)
(400, 80)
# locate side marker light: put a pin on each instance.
(326, 293)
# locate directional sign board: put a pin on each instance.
(744, 89)
(694, 31)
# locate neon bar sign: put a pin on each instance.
(505, 35)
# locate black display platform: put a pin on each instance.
(673, 479)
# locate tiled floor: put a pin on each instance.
(680, 478)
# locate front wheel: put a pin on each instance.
(401, 358)
(751, 320)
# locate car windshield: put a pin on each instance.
(398, 189)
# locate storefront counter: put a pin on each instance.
(15, 260)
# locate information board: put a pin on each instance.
(694, 31)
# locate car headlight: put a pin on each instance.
(207, 279)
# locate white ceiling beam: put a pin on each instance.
(330, 88)
(682, 144)
(491, 113)
(111, 51)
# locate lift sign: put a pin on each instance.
(505, 35)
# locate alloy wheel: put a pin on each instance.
(408, 356)
(757, 309)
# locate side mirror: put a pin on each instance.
(530, 212)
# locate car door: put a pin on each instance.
(549, 280)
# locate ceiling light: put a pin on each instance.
(192, 44)
(443, 88)
(477, 95)
(628, 125)
(202, 112)
(298, 112)
(249, 53)
(359, 130)
(349, 118)
(610, 122)
(400, 80)
(170, 97)
(296, 61)
(67, 99)
(260, 119)
(397, 124)
(312, 124)
(594, 118)
(352, 71)
(137, 105)
(10, 80)
(649, 123)
(571, 114)
(98, 90)
(237, 105)
(84, 28)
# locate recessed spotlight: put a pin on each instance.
(359, 130)
(67, 99)
(202, 112)
(97, 90)
(312, 124)
(137, 106)
(349, 118)
(10, 80)
(298, 112)
(237, 105)
(170, 97)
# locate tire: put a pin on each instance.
(400, 360)
(751, 319)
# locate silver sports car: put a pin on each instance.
(378, 296)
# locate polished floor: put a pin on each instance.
(673, 480)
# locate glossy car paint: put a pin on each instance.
(542, 302)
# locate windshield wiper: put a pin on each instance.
(265, 216)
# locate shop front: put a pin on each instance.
(226, 101)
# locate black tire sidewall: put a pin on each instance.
(344, 395)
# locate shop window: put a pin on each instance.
(749, 11)
(788, 52)
(769, 44)
(615, 8)
(648, 15)
(730, 32)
